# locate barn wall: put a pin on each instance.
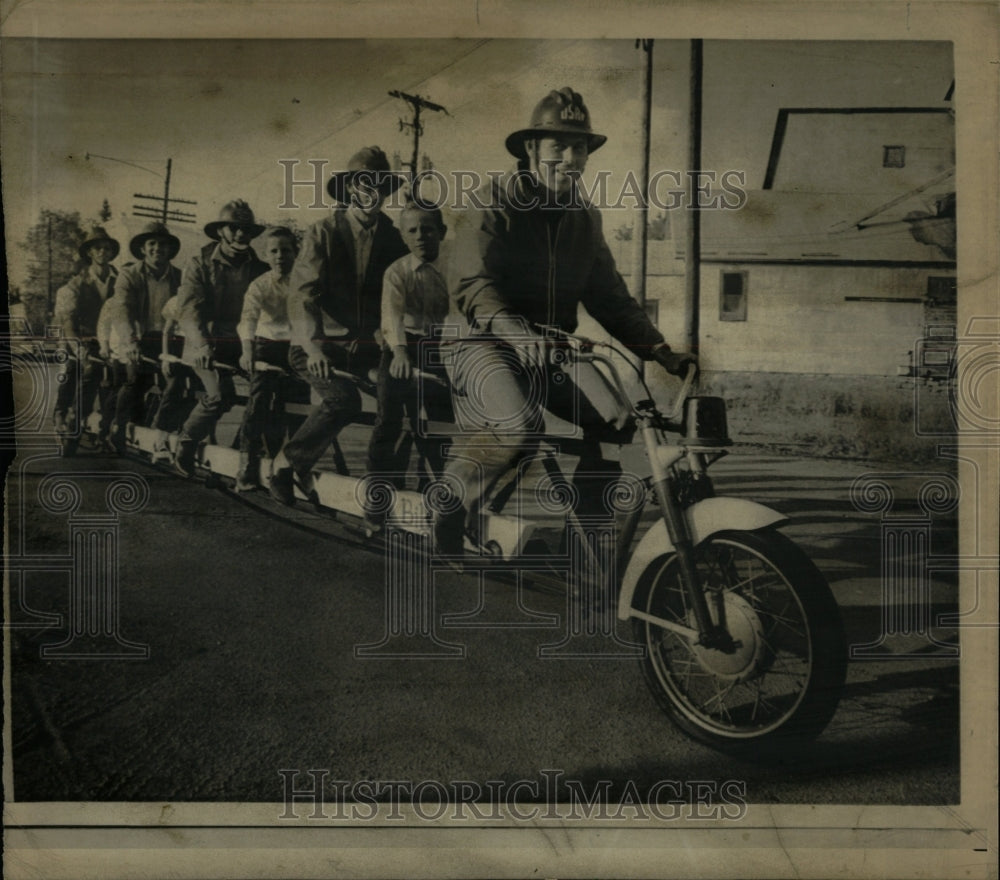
(810, 372)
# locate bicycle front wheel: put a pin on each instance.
(782, 681)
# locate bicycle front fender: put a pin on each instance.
(704, 518)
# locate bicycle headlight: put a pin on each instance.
(705, 422)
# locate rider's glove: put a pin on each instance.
(675, 363)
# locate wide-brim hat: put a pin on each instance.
(559, 112)
(97, 235)
(369, 166)
(155, 229)
(234, 213)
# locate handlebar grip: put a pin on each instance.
(676, 413)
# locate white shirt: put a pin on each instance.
(414, 298)
(265, 309)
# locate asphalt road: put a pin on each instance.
(251, 616)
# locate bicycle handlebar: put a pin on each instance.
(583, 349)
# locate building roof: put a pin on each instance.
(777, 226)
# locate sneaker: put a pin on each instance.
(374, 524)
(282, 486)
(184, 458)
(246, 479)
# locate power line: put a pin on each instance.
(479, 45)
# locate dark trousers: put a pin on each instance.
(264, 417)
(401, 422)
(177, 398)
(134, 380)
(340, 400)
(220, 392)
(80, 383)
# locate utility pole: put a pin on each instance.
(164, 212)
(692, 255)
(48, 274)
(640, 252)
(417, 103)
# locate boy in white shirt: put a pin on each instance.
(265, 334)
(414, 307)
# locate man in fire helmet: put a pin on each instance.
(532, 257)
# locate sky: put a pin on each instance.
(225, 111)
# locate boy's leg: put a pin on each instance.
(386, 439)
(259, 410)
(435, 400)
(387, 443)
(92, 374)
(217, 400)
(275, 353)
(340, 404)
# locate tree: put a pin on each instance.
(105, 213)
(52, 244)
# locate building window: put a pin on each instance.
(894, 157)
(733, 296)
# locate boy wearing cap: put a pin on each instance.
(210, 302)
(537, 253)
(136, 312)
(76, 312)
(414, 307)
(335, 311)
(265, 334)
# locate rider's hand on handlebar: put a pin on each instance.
(675, 362)
(246, 361)
(532, 347)
(105, 352)
(401, 367)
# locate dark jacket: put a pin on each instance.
(78, 304)
(324, 280)
(131, 306)
(541, 263)
(210, 299)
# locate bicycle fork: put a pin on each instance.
(710, 634)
